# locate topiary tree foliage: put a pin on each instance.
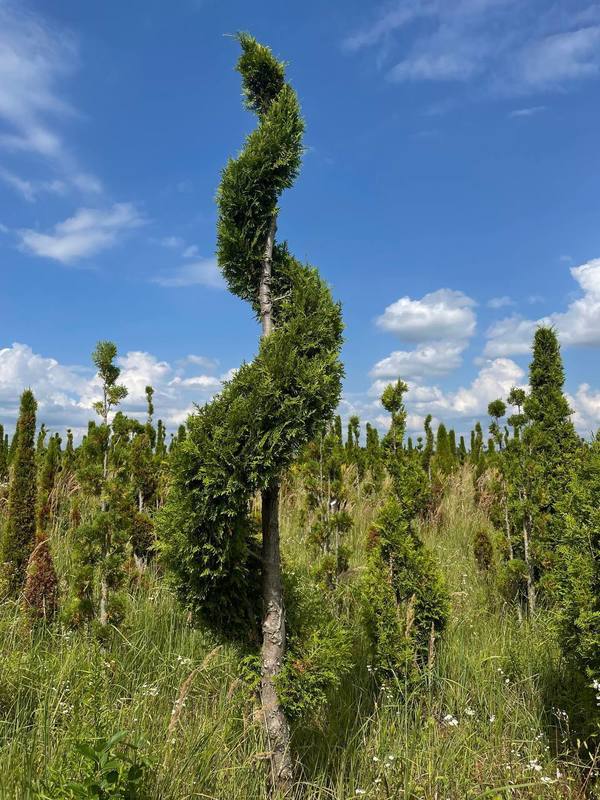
(19, 534)
(239, 444)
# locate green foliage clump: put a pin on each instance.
(111, 769)
(100, 549)
(320, 649)
(405, 598)
(40, 594)
(578, 565)
(252, 182)
(142, 537)
(483, 550)
(19, 532)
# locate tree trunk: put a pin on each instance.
(264, 292)
(531, 595)
(104, 509)
(104, 602)
(507, 524)
(273, 624)
(273, 645)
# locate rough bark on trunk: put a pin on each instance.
(104, 509)
(531, 594)
(273, 624)
(104, 602)
(264, 292)
(273, 645)
(507, 525)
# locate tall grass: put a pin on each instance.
(484, 724)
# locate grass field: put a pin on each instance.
(492, 720)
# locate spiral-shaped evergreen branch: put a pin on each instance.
(238, 444)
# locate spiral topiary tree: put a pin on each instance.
(238, 445)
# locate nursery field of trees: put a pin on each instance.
(275, 602)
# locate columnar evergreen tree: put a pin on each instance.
(240, 443)
(551, 444)
(452, 444)
(429, 448)
(19, 533)
(373, 459)
(406, 602)
(444, 460)
(101, 540)
(40, 594)
(47, 477)
(337, 425)
(3, 455)
(104, 357)
(12, 448)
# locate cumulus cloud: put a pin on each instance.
(466, 404)
(436, 358)
(510, 336)
(86, 233)
(444, 314)
(585, 404)
(66, 393)
(578, 325)
(204, 272)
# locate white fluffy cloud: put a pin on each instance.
(578, 325)
(65, 393)
(435, 358)
(495, 379)
(444, 314)
(511, 336)
(86, 233)
(585, 404)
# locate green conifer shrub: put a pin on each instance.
(19, 533)
(405, 598)
(483, 550)
(405, 602)
(577, 573)
(3, 456)
(40, 595)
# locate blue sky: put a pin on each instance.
(449, 194)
